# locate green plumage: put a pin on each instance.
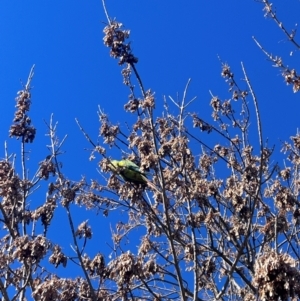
(129, 171)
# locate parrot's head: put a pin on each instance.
(114, 165)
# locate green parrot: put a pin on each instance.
(130, 172)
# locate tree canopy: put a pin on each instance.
(198, 208)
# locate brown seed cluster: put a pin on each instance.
(28, 250)
(57, 288)
(276, 276)
(115, 39)
(127, 268)
(22, 123)
(291, 78)
(58, 257)
(47, 168)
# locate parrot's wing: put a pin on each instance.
(128, 163)
(131, 166)
(133, 176)
(137, 170)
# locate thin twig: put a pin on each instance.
(105, 11)
(270, 11)
(85, 133)
(259, 127)
(30, 77)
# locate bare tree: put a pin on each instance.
(222, 225)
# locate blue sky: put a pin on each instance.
(174, 41)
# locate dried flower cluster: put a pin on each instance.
(22, 123)
(115, 39)
(277, 277)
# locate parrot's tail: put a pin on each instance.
(151, 185)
